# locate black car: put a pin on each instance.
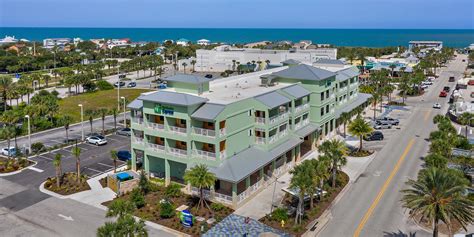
(376, 135)
(446, 88)
(208, 76)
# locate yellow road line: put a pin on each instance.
(384, 188)
(427, 115)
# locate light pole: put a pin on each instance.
(273, 194)
(118, 89)
(29, 133)
(82, 121)
(124, 114)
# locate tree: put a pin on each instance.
(103, 112)
(359, 127)
(465, 119)
(437, 196)
(344, 118)
(5, 84)
(200, 177)
(114, 112)
(301, 180)
(114, 156)
(320, 174)
(90, 113)
(335, 151)
(436, 160)
(66, 120)
(76, 152)
(7, 133)
(193, 63)
(57, 165)
(125, 224)
(184, 67)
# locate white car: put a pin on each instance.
(96, 140)
(437, 105)
(429, 83)
(11, 150)
(423, 86)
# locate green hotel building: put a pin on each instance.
(248, 129)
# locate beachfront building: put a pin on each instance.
(183, 42)
(204, 42)
(436, 45)
(225, 57)
(59, 43)
(248, 129)
(8, 40)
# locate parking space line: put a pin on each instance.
(35, 169)
(106, 165)
(97, 171)
(46, 158)
(115, 140)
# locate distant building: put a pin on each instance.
(8, 40)
(204, 42)
(56, 42)
(257, 44)
(436, 45)
(303, 44)
(225, 57)
(183, 42)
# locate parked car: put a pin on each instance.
(9, 151)
(429, 83)
(437, 105)
(424, 86)
(96, 140)
(124, 155)
(431, 78)
(208, 76)
(443, 94)
(132, 84)
(382, 125)
(124, 132)
(376, 135)
(446, 88)
(122, 84)
(389, 120)
(451, 79)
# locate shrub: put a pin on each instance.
(173, 190)
(217, 207)
(137, 198)
(144, 184)
(279, 214)
(166, 210)
(37, 147)
(104, 85)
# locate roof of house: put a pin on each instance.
(272, 99)
(329, 61)
(347, 73)
(135, 104)
(305, 72)
(208, 112)
(187, 78)
(304, 131)
(245, 163)
(173, 98)
(296, 91)
(361, 98)
(291, 62)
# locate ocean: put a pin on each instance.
(338, 37)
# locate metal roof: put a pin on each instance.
(347, 73)
(244, 163)
(136, 104)
(291, 62)
(173, 98)
(208, 112)
(296, 91)
(361, 98)
(329, 61)
(304, 131)
(272, 99)
(305, 72)
(187, 78)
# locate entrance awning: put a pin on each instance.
(306, 130)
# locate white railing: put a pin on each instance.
(301, 107)
(260, 140)
(204, 132)
(249, 191)
(156, 147)
(279, 117)
(138, 140)
(178, 129)
(223, 198)
(205, 154)
(178, 152)
(260, 120)
(222, 155)
(273, 138)
(155, 125)
(284, 133)
(137, 120)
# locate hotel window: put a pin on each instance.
(322, 112)
(327, 108)
(327, 94)
(250, 113)
(322, 96)
(250, 132)
(351, 93)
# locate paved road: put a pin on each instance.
(371, 206)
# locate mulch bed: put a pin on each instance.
(13, 164)
(362, 153)
(442, 228)
(310, 215)
(151, 210)
(69, 184)
(103, 182)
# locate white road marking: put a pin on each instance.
(45, 157)
(98, 171)
(66, 218)
(106, 165)
(35, 169)
(470, 131)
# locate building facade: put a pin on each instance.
(436, 45)
(247, 129)
(225, 57)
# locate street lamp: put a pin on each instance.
(29, 134)
(118, 89)
(82, 121)
(273, 194)
(124, 114)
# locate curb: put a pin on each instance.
(20, 170)
(50, 193)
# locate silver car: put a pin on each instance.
(382, 125)
(97, 140)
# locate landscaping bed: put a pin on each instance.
(68, 185)
(362, 153)
(103, 182)
(310, 214)
(396, 103)
(152, 209)
(13, 164)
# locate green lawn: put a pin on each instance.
(96, 100)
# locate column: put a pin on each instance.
(298, 153)
(313, 137)
(167, 173)
(146, 163)
(234, 195)
(134, 160)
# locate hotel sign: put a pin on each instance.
(165, 110)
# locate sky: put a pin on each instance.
(379, 14)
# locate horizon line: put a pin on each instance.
(237, 28)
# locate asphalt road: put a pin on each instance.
(371, 206)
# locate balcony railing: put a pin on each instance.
(157, 126)
(302, 124)
(260, 120)
(205, 154)
(301, 107)
(242, 196)
(222, 131)
(156, 147)
(217, 196)
(273, 138)
(137, 120)
(138, 140)
(204, 132)
(279, 117)
(222, 154)
(178, 152)
(179, 130)
(260, 140)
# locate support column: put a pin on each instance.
(234, 195)
(167, 173)
(146, 164)
(313, 138)
(247, 182)
(298, 153)
(134, 160)
(212, 191)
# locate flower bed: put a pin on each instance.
(362, 153)
(151, 211)
(13, 164)
(68, 185)
(310, 214)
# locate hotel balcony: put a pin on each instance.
(204, 132)
(260, 140)
(205, 154)
(138, 120)
(138, 140)
(301, 124)
(279, 117)
(178, 152)
(156, 147)
(301, 108)
(178, 130)
(156, 126)
(260, 120)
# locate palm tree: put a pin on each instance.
(465, 119)
(5, 84)
(76, 152)
(90, 113)
(103, 112)
(344, 118)
(359, 127)
(437, 195)
(302, 181)
(7, 133)
(66, 120)
(184, 67)
(114, 112)
(125, 224)
(335, 151)
(114, 156)
(193, 63)
(57, 165)
(200, 177)
(320, 174)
